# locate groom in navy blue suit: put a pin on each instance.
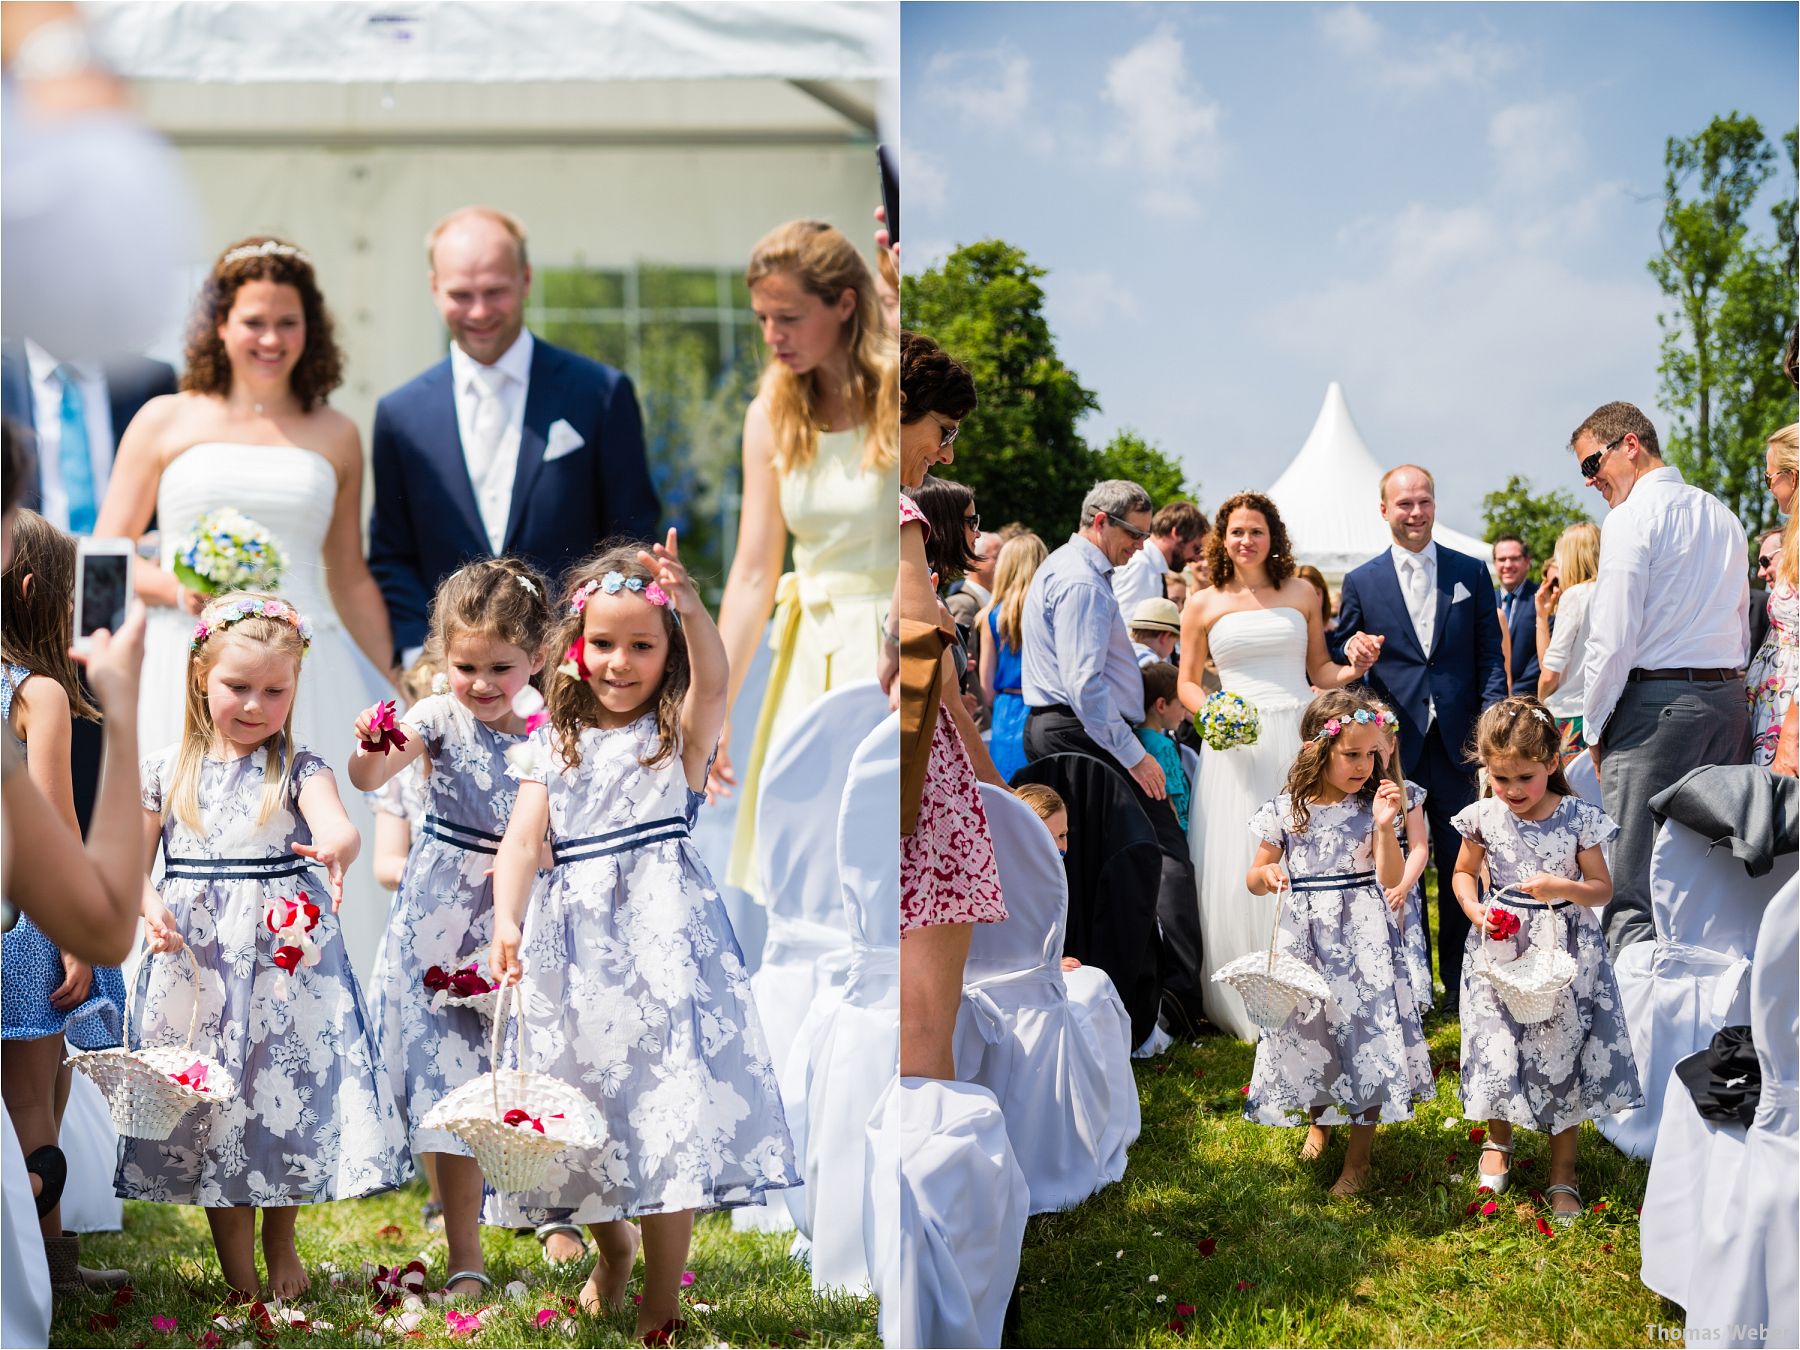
(1426, 616)
(509, 446)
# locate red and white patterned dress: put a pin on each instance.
(947, 870)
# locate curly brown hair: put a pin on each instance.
(505, 598)
(1281, 554)
(320, 368)
(1308, 770)
(932, 381)
(574, 707)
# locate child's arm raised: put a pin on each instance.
(515, 868)
(335, 840)
(1266, 874)
(1465, 882)
(369, 769)
(709, 672)
(1390, 804)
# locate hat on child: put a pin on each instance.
(1157, 613)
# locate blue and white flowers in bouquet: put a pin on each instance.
(228, 551)
(1227, 719)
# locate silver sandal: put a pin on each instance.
(545, 1230)
(1563, 1218)
(1496, 1182)
(456, 1276)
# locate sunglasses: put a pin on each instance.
(1765, 561)
(1591, 465)
(972, 521)
(1772, 478)
(1131, 530)
(947, 434)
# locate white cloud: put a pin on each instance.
(924, 181)
(992, 86)
(1077, 299)
(1537, 146)
(1411, 68)
(921, 255)
(1167, 130)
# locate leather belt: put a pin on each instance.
(1688, 673)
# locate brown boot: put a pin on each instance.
(69, 1276)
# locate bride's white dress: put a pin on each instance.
(290, 492)
(1261, 655)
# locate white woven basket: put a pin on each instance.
(1275, 985)
(139, 1085)
(516, 1157)
(481, 1003)
(1531, 986)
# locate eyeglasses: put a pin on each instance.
(1769, 478)
(947, 432)
(1591, 465)
(1131, 530)
(972, 521)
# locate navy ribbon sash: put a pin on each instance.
(619, 841)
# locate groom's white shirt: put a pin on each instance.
(509, 377)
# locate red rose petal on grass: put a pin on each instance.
(1490, 1208)
(104, 1321)
(123, 1295)
(1245, 1090)
(1177, 1326)
(1207, 1246)
(1245, 1284)
(1450, 1159)
(1606, 1246)
(1544, 1228)
(1477, 1135)
(1599, 1208)
(209, 1341)
(1199, 1073)
(1537, 1196)
(687, 1278)
(1637, 1209)
(546, 1316)
(1184, 1310)
(1528, 1163)
(1472, 1206)
(1405, 1177)
(164, 1323)
(1163, 1067)
(392, 1231)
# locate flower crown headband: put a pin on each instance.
(269, 248)
(614, 582)
(1362, 717)
(239, 610)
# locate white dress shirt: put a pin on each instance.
(1141, 578)
(1074, 649)
(1421, 601)
(46, 412)
(1673, 591)
(1567, 653)
(507, 380)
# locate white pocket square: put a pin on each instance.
(1458, 595)
(562, 440)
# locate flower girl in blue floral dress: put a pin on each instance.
(491, 621)
(245, 820)
(1541, 845)
(634, 987)
(1331, 836)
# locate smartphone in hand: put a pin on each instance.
(102, 586)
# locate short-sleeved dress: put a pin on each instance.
(947, 868)
(442, 912)
(313, 1119)
(1363, 1057)
(1577, 1065)
(1412, 916)
(635, 991)
(1774, 673)
(1006, 730)
(31, 967)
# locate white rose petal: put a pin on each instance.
(1155, 1278)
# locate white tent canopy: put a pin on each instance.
(1328, 497)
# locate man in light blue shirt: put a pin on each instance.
(1079, 678)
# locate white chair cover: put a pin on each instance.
(807, 945)
(1584, 778)
(1692, 980)
(91, 1145)
(1016, 1034)
(1730, 1243)
(1102, 1014)
(852, 1048)
(948, 1216)
(24, 1273)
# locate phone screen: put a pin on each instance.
(104, 581)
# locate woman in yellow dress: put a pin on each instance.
(820, 445)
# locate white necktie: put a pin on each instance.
(487, 424)
(1419, 601)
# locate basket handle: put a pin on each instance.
(1281, 893)
(518, 993)
(193, 1015)
(1487, 904)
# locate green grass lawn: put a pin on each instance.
(1220, 1235)
(745, 1291)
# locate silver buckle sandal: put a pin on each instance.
(1496, 1182)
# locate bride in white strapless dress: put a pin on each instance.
(1268, 640)
(245, 436)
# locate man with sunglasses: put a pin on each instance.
(1668, 634)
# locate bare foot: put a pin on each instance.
(604, 1291)
(1318, 1139)
(562, 1247)
(1350, 1182)
(287, 1277)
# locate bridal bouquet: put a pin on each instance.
(1226, 720)
(228, 551)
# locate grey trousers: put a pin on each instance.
(1659, 730)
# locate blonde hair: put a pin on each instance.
(826, 264)
(1046, 801)
(181, 794)
(1577, 555)
(1020, 557)
(1787, 457)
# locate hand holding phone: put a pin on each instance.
(102, 586)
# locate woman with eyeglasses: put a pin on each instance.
(950, 548)
(819, 454)
(1775, 670)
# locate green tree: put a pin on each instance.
(1734, 300)
(1538, 520)
(1129, 455)
(1019, 451)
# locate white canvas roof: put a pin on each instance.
(1328, 495)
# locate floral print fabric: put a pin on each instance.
(635, 992)
(1412, 919)
(313, 1119)
(442, 912)
(947, 868)
(1362, 1058)
(1577, 1065)
(1774, 673)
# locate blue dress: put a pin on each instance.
(31, 967)
(313, 1119)
(1006, 727)
(635, 992)
(442, 912)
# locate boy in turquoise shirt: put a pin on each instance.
(1163, 713)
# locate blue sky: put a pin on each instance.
(1446, 207)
